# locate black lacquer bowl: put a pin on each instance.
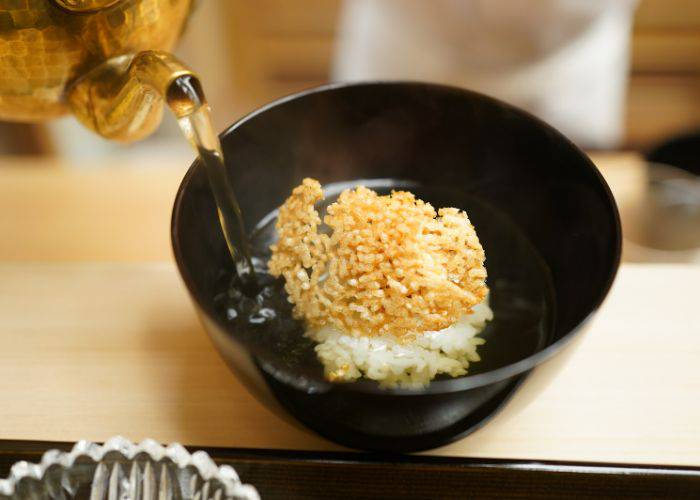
(544, 214)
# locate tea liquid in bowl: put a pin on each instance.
(521, 294)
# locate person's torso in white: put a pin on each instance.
(564, 60)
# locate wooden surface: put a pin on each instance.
(93, 350)
(50, 211)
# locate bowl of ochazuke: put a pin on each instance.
(417, 250)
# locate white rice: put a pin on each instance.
(395, 362)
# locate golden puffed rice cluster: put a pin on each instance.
(390, 264)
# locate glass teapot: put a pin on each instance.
(102, 60)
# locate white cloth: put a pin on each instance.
(564, 60)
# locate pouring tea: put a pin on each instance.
(105, 62)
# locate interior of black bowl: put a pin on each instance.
(545, 216)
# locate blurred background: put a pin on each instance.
(619, 77)
(250, 52)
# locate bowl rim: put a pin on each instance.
(467, 381)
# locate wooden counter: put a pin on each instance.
(97, 337)
(93, 350)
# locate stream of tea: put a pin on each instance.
(187, 101)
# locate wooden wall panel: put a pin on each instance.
(666, 51)
(659, 106)
(298, 18)
(668, 14)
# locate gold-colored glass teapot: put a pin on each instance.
(102, 60)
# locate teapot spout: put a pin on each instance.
(122, 98)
